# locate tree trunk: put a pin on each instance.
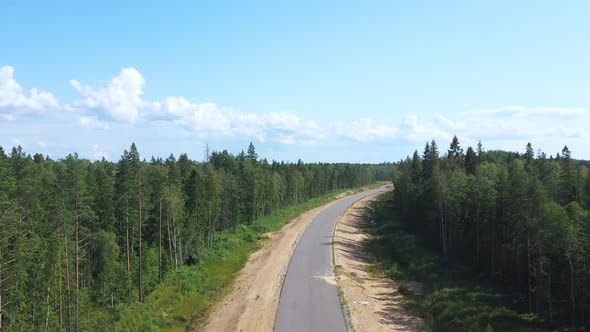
(174, 244)
(477, 226)
(58, 236)
(197, 228)
(160, 243)
(493, 263)
(529, 273)
(128, 257)
(550, 303)
(140, 244)
(1, 289)
(572, 293)
(68, 311)
(180, 250)
(77, 240)
(169, 237)
(443, 233)
(47, 316)
(209, 235)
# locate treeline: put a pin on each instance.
(522, 218)
(78, 237)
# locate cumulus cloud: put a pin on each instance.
(427, 127)
(209, 119)
(508, 127)
(92, 122)
(14, 98)
(121, 98)
(365, 130)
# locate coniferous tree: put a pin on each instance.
(78, 239)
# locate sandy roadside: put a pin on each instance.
(252, 302)
(374, 303)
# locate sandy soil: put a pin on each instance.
(252, 302)
(374, 303)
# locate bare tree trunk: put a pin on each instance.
(550, 303)
(477, 242)
(140, 244)
(493, 246)
(539, 276)
(68, 311)
(180, 250)
(572, 293)
(174, 244)
(160, 243)
(58, 236)
(48, 307)
(1, 289)
(197, 227)
(169, 237)
(529, 271)
(77, 240)
(209, 235)
(128, 257)
(443, 232)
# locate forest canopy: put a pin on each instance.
(521, 218)
(78, 237)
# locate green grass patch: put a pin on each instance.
(346, 311)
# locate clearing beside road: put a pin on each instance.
(374, 304)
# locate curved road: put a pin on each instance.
(309, 299)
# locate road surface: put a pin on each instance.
(309, 299)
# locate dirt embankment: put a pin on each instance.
(374, 302)
(253, 299)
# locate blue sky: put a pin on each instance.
(321, 81)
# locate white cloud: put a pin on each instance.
(290, 129)
(436, 127)
(446, 123)
(523, 111)
(365, 130)
(209, 119)
(92, 122)
(121, 98)
(15, 99)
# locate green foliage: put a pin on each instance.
(187, 294)
(515, 219)
(83, 243)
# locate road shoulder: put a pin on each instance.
(374, 304)
(252, 301)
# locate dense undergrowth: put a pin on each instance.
(187, 294)
(449, 297)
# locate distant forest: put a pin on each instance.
(79, 237)
(521, 218)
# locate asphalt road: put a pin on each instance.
(309, 298)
